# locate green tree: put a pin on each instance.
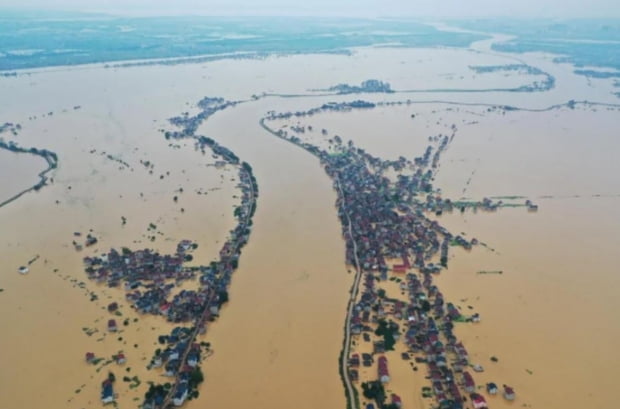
(223, 295)
(195, 378)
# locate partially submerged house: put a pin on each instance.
(193, 358)
(491, 388)
(384, 374)
(181, 393)
(354, 360)
(478, 401)
(509, 393)
(468, 382)
(112, 327)
(107, 392)
(90, 357)
(120, 358)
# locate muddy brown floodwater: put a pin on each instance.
(550, 318)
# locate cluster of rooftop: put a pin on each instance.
(148, 278)
(180, 359)
(386, 222)
(151, 280)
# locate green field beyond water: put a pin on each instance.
(584, 42)
(35, 40)
(40, 40)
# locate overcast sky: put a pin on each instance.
(353, 8)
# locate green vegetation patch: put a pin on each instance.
(386, 331)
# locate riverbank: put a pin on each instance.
(25, 170)
(50, 158)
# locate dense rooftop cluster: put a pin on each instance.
(151, 280)
(390, 236)
(148, 279)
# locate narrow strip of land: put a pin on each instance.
(346, 350)
(52, 163)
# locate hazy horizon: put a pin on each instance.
(326, 8)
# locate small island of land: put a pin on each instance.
(368, 86)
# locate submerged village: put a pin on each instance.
(153, 284)
(392, 244)
(396, 249)
(131, 225)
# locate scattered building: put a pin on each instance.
(120, 358)
(509, 393)
(151, 279)
(478, 401)
(107, 392)
(112, 327)
(491, 388)
(90, 357)
(382, 368)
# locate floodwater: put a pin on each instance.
(113, 163)
(556, 292)
(277, 343)
(19, 171)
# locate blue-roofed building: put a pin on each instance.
(107, 392)
(192, 359)
(181, 394)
